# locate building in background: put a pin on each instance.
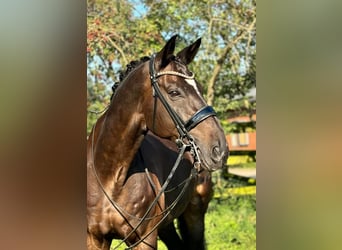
(241, 136)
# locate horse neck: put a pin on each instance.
(120, 134)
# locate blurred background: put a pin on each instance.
(122, 31)
(45, 79)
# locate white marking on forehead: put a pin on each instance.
(193, 84)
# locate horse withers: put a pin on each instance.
(158, 95)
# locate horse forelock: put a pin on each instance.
(180, 67)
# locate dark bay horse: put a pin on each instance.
(126, 200)
(191, 221)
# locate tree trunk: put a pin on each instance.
(220, 61)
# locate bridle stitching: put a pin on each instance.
(167, 72)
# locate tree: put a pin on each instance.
(121, 31)
(114, 38)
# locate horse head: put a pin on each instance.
(178, 110)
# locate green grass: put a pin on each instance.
(231, 224)
(244, 165)
(231, 218)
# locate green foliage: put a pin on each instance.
(97, 100)
(125, 30)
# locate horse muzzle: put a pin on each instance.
(215, 158)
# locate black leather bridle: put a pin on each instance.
(183, 128)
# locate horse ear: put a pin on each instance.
(163, 57)
(187, 54)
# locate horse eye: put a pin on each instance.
(174, 93)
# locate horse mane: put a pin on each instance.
(129, 68)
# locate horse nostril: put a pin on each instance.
(216, 156)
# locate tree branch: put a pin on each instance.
(211, 85)
(118, 49)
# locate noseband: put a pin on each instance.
(183, 128)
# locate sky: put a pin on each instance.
(139, 8)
